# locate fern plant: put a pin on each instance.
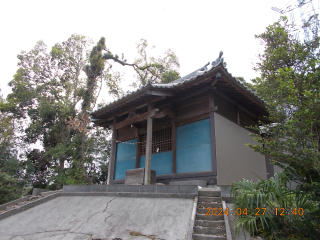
(271, 207)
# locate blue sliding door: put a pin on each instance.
(125, 158)
(194, 147)
(160, 162)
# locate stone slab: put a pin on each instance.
(103, 217)
(36, 191)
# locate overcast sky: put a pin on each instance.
(195, 30)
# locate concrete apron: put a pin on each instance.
(134, 212)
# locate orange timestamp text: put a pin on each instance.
(258, 211)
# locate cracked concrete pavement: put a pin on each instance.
(101, 217)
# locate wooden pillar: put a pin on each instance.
(213, 144)
(138, 150)
(238, 115)
(212, 135)
(147, 172)
(111, 167)
(174, 147)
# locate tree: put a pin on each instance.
(163, 69)
(11, 170)
(47, 90)
(290, 85)
(52, 96)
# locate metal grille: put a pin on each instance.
(161, 141)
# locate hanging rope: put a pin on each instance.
(117, 141)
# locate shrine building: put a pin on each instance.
(193, 128)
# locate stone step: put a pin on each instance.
(209, 217)
(209, 230)
(209, 193)
(218, 210)
(209, 199)
(205, 223)
(210, 205)
(208, 237)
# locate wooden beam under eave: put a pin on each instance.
(214, 82)
(234, 102)
(147, 171)
(160, 93)
(128, 109)
(242, 90)
(129, 121)
(196, 113)
(216, 79)
(165, 112)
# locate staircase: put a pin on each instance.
(207, 225)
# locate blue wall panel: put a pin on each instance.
(194, 147)
(160, 162)
(126, 158)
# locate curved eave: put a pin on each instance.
(145, 93)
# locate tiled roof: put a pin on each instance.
(181, 81)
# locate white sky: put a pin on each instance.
(195, 30)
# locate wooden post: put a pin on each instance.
(238, 115)
(112, 154)
(174, 147)
(212, 135)
(213, 144)
(138, 150)
(147, 173)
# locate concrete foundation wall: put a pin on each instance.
(132, 189)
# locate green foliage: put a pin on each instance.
(46, 91)
(156, 70)
(162, 69)
(289, 83)
(74, 175)
(271, 194)
(10, 188)
(170, 76)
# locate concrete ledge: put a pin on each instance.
(133, 195)
(226, 221)
(190, 182)
(28, 205)
(4, 206)
(177, 189)
(193, 219)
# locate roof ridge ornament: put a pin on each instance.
(218, 61)
(204, 68)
